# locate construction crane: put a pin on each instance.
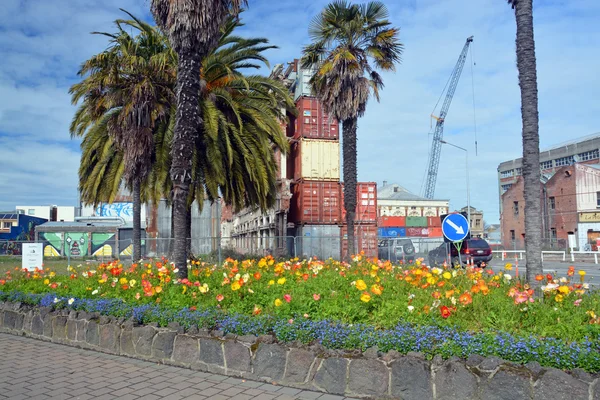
(436, 145)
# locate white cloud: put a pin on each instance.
(45, 42)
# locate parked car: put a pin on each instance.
(396, 250)
(477, 250)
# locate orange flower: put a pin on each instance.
(465, 299)
(539, 277)
(571, 271)
(436, 295)
(257, 310)
(220, 297)
(441, 283)
(475, 289)
(257, 275)
(445, 311)
(376, 289)
(305, 277)
(449, 293)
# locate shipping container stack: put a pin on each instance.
(412, 226)
(317, 207)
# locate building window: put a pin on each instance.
(589, 155)
(546, 165)
(31, 211)
(516, 208)
(553, 233)
(512, 235)
(7, 225)
(519, 171)
(552, 203)
(559, 162)
(506, 187)
(507, 174)
(597, 199)
(477, 223)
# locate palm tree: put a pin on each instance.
(193, 28)
(129, 88)
(526, 64)
(232, 156)
(346, 39)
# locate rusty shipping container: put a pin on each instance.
(366, 203)
(388, 221)
(316, 160)
(434, 222)
(315, 202)
(365, 237)
(313, 122)
(417, 232)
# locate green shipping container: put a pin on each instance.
(416, 222)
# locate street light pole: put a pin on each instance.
(467, 167)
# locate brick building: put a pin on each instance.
(570, 201)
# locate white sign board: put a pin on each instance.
(33, 256)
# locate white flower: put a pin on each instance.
(95, 291)
(411, 308)
(56, 300)
(586, 286)
(237, 277)
(436, 270)
(507, 277)
(353, 283)
(71, 300)
(550, 287)
(454, 273)
(453, 300)
(176, 270)
(250, 290)
(563, 280)
(246, 278)
(411, 296)
(436, 304)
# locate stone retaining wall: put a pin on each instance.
(352, 373)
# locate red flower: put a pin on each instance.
(549, 277)
(193, 308)
(257, 275)
(445, 312)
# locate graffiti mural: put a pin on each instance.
(10, 244)
(124, 210)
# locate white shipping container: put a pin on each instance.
(317, 160)
(321, 241)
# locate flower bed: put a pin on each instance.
(342, 306)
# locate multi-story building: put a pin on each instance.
(394, 200)
(476, 224)
(584, 150)
(570, 204)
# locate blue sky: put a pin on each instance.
(43, 42)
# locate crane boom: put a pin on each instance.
(436, 145)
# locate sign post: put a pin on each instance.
(33, 256)
(455, 228)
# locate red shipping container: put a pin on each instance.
(313, 122)
(434, 222)
(366, 203)
(390, 222)
(315, 202)
(435, 232)
(417, 232)
(365, 237)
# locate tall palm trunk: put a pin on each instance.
(526, 65)
(137, 221)
(349, 127)
(188, 231)
(187, 123)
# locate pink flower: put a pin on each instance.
(220, 297)
(287, 297)
(317, 297)
(577, 302)
(290, 321)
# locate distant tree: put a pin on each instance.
(350, 42)
(526, 64)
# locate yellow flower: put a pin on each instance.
(262, 263)
(558, 298)
(278, 302)
(132, 282)
(203, 288)
(581, 272)
(52, 274)
(280, 281)
(447, 275)
(235, 286)
(361, 285)
(508, 266)
(418, 272)
(159, 289)
(431, 280)
(366, 297)
(46, 281)
(564, 289)
(271, 282)
(123, 281)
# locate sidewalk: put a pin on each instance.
(32, 369)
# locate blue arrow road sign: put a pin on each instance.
(455, 227)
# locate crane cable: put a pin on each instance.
(473, 89)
